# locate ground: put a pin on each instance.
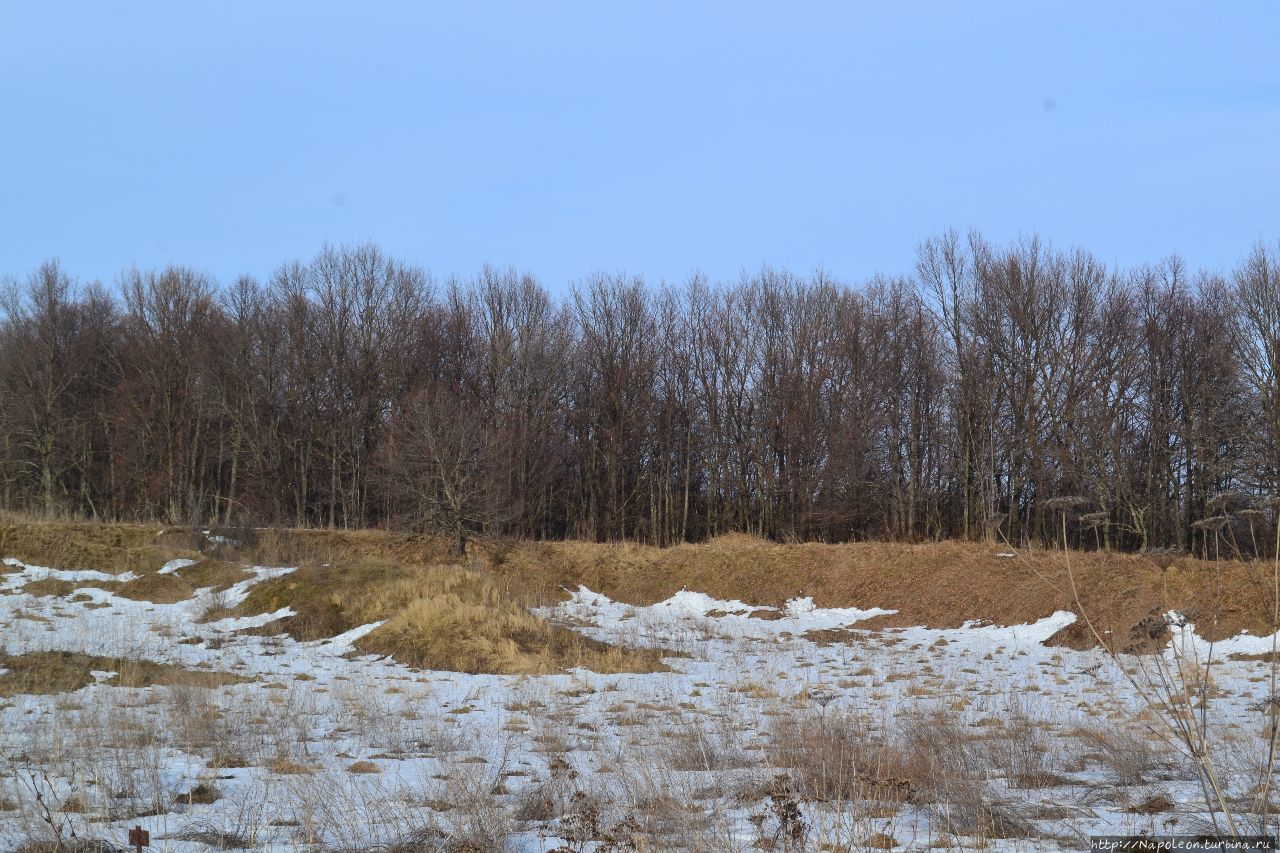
(789, 725)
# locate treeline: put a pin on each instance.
(958, 401)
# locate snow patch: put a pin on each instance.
(174, 565)
(349, 638)
(1191, 646)
(700, 604)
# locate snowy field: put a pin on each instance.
(796, 729)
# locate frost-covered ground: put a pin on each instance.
(324, 747)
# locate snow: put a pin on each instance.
(347, 640)
(733, 664)
(173, 566)
(1192, 647)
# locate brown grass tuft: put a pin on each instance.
(289, 767)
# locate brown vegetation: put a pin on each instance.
(111, 548)
(937, 584)
(64, 672)
(437, 617)
(212, 574)
(159, 589)
(375, 575)
(940, 584)
(958, 400)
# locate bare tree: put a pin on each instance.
(345, 391)
(438, 463)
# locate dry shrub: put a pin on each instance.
(656, 809)
(692, 747)
(536, 804)
(949, 770)
(1022, 748)
(926, 759)
(68, 845)
(202, 794)
(197, 722)
(472, 819)
(212, 836)
(969, 809)
(548, 798)
(1128, 755)
(589, 824)
(836, 758)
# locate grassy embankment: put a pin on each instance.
(472, 615)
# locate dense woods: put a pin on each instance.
(957, 400)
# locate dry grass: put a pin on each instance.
(436, 617)
(74, 845)
(294, 547)
(58, 588)
(837, 757)
(685, 771)
(925, 759)
(940, 584)
(1129, 756)
(112, 548)
(158, 589)
(215, 574)
(40, 673)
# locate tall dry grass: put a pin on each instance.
(441, 617)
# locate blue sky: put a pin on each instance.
(653, 138)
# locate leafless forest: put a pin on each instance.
(952, 401)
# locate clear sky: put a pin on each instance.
(654, 138)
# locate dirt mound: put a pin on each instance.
(64, 672)
(435, 617)
(58, 588)
(940, 585)
(937, 584)
(113, 548)
(213, 573)
(158, 589)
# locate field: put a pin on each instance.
(333, 691)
